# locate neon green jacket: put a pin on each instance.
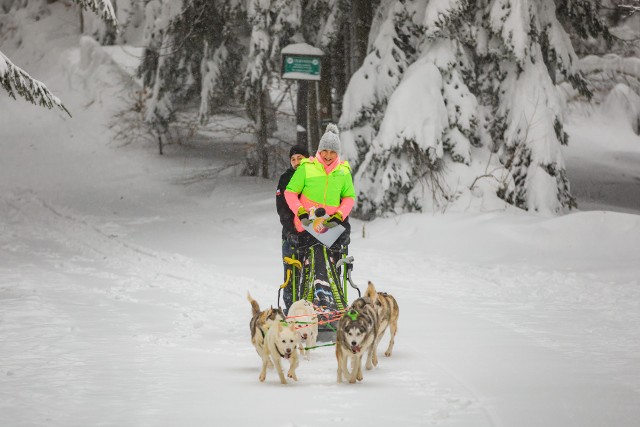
(319, 186)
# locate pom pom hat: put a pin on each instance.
(330, 140)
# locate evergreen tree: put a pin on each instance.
(415, 116)
(478, 74)
(528, 47)
(367, 95)
(273, 23)
(191, 53)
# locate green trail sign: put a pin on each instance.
(301, 67)
(301, 62)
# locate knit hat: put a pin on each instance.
(330, 140)
(299, 149)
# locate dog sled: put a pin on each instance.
(320, 272)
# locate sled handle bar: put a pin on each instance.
(348, 261)
(292, 263)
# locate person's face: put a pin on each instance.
(295, 160)
(328, 156)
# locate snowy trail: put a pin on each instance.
(114, 325)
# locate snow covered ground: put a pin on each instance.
(123, 281)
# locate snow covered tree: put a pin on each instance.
(191, 52)
(367, 95)
(274, 23)
(102, 8)
(131, 19)
(419, 107)
(457, 75)
(17, 81)
(529, 48)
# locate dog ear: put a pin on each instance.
(371, 292)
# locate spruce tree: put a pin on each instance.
(273, 23)
(488, 70)
(369, 89)
(191, 53)
(419, 114)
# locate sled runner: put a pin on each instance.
(321, 275)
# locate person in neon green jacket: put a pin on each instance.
(323, 181)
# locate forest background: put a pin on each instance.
(441, 103)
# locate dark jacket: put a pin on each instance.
(286, 216)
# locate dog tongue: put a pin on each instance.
(355, 349)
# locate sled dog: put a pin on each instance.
(356, 334)
(281, 342)
(303, 315)
(388, 312)
(260, 323)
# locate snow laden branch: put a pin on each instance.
(632, 7)
(102, 8)
(15, 80)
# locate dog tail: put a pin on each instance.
(255, 308)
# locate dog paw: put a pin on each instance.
(387, 353)
(262, 378)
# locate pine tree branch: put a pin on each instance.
(15, 80)
(630, 8)
(102, 8)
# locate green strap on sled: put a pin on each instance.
(334, 286)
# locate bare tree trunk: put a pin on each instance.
(324, 96)
(312, 119)
(81, 16)
(263, 131)
(339, 73)
(361, 16)
(302, 103)
(110, 33)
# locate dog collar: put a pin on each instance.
(353, 315)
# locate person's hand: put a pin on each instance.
(333, 220)
(303, 216)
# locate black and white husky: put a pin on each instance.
(356, 334)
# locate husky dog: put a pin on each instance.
(357, 331)
(388, 312)
(281, 342)
(302, 313)
(260, 323)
